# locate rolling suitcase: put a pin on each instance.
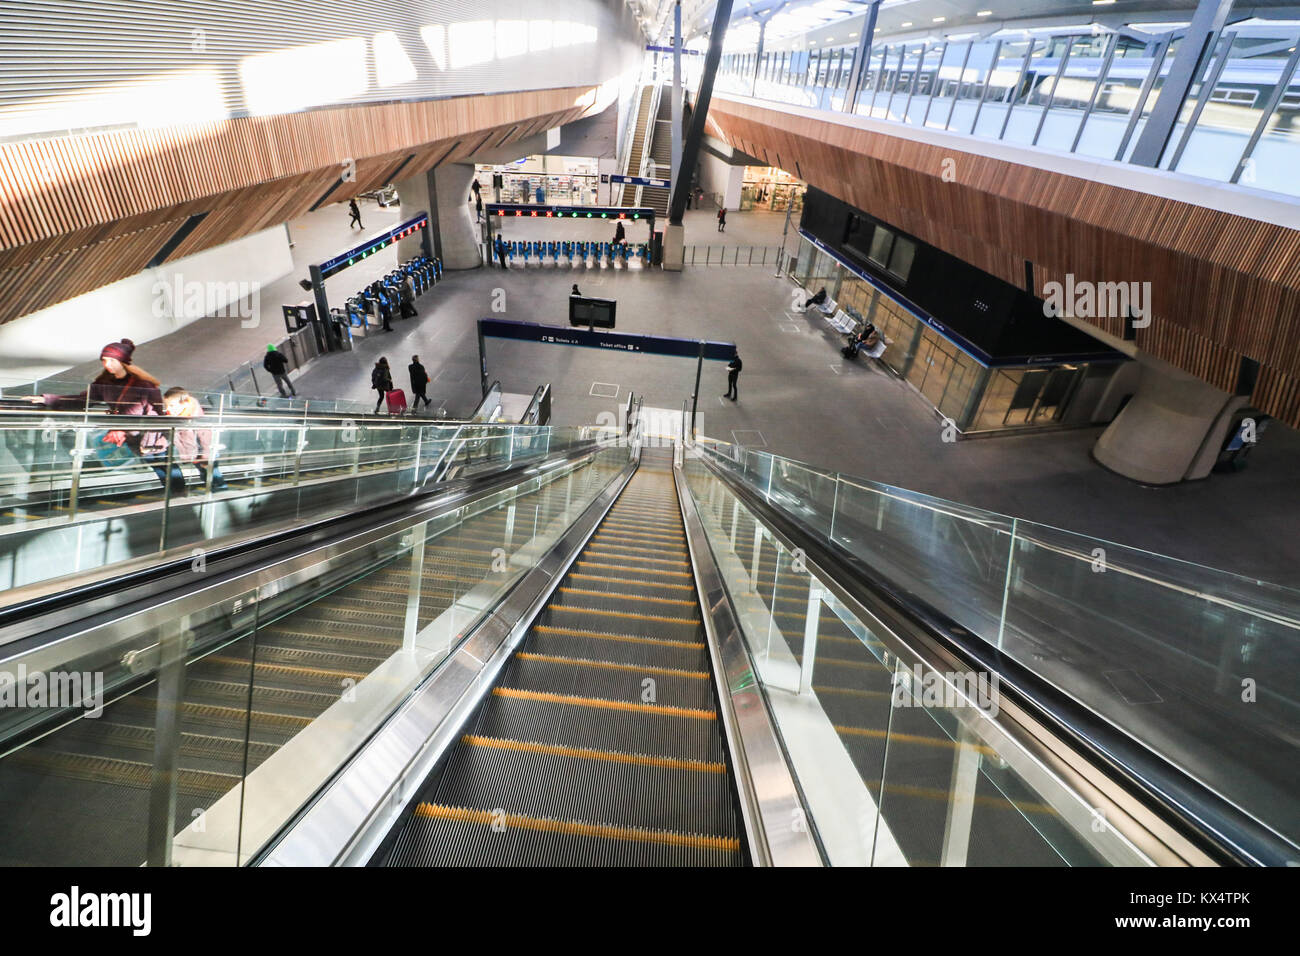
(396, 400)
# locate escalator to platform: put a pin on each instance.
(600, 743)
(79, 794)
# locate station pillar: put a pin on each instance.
(453, 229)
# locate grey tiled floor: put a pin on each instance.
(796, 395)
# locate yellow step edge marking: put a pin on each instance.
(865, 665)
(576, 828)
(596, 542)
(648, 584)
(628, 638)
(629, 567)
(593, 549)
(628, 614)
(289, 668)
(601, 704)
(932, 793)
(637, 536)
(851, 691)
(634, 527)
(630, 597)
(920, 739)
(610, 665)
(553, 750)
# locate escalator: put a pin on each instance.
(600, 743)
(78, 791)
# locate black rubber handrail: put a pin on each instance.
(1211, 822)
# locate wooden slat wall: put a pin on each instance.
(1222, 285)
(80, 212)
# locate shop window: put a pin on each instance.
(881, 242)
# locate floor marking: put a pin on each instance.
(737, 433)
(601, 390)
(790, 328)
(835, 369)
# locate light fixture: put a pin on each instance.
(908, 23)
(984, 13)
(1102, 3)
(941, 19)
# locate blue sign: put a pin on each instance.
(373, 245)
(667, 49)
(641, 181)
(610, 341)
(537, 211)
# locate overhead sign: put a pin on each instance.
(667, 49)
(537, 211)
(373, 245)
(609, 341)
(640, 181)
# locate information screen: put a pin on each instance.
(591, 313)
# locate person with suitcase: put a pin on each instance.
(419, 382)
(381, 380)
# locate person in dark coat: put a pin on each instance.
(275, 363)
(381, 380)
(355, 214)
(125, 389)
(620, 235)
(419, 382)
(722, 220)
(500, 247)
(733, 374)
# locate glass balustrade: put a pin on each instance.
(1195, 665)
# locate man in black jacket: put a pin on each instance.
(275, 363)
(733, 373)
(419, 381)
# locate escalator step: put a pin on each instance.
(620, 648)
(544, 721)
(452, 836)
(606, 680)
(580, 788)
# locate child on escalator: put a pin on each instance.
(193, 445)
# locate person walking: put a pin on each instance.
(355, 214)
(419, 382)
(620, 234)
(275, 363)
(733, 375)
(722, 219)
(500, 247)
(381, 380)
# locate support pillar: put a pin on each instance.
(453, 228)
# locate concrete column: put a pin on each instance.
(444, 191)
(1171, 429)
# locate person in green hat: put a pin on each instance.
(278, 366)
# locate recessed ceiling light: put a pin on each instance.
(852, 35)
(908, 23)
(984, 13)
(941, 19)
(1102, 3)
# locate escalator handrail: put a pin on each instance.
(299, 535)
(1209, 821)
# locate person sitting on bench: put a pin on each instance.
(867, 339)
(818, 299)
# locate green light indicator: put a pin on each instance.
(604, 215)
(588, 215)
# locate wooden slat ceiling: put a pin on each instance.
(1222, 285)
(80, 212)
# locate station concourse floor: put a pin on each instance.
(798, 398)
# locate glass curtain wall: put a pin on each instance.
(1081, 90)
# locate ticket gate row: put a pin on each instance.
(594, 254)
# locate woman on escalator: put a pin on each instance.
(125, 389)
